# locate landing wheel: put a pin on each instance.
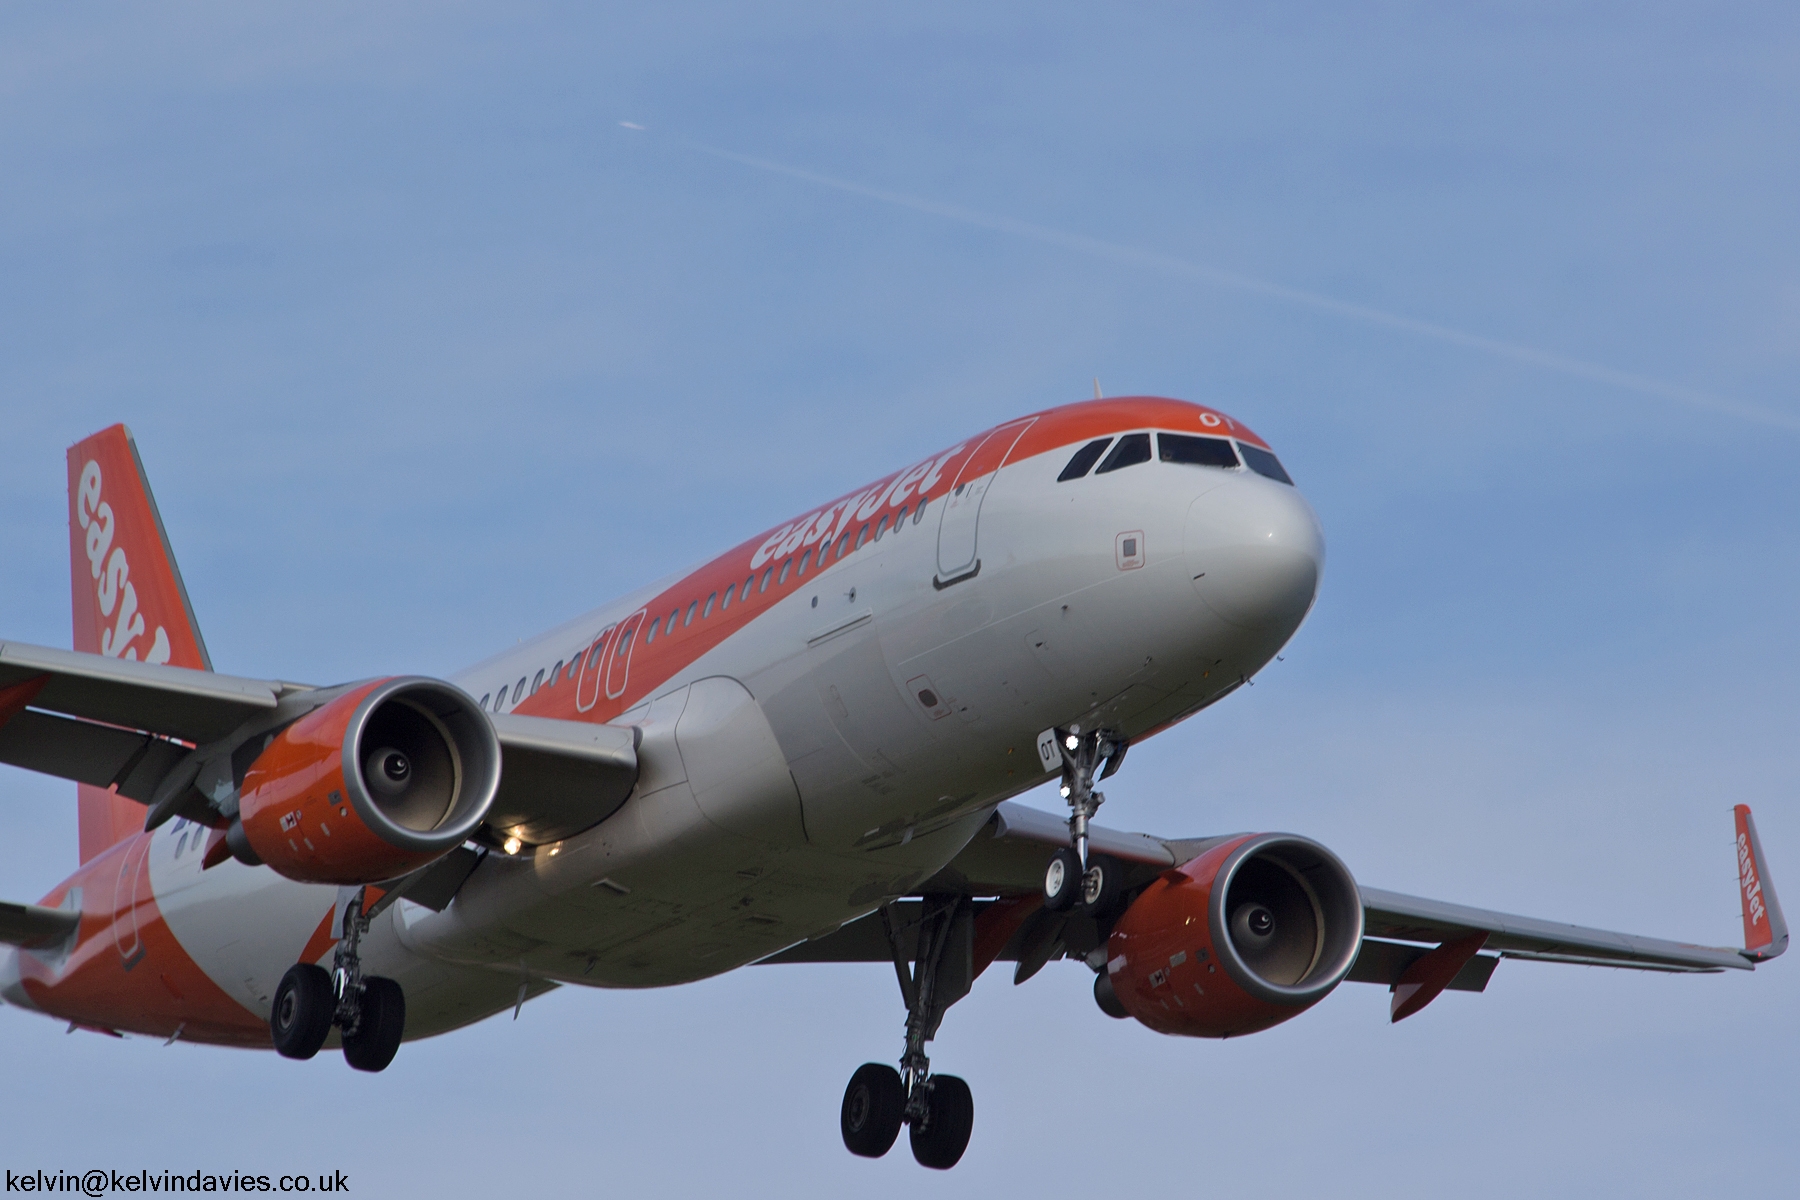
(1099, 886)
(874, 1106)
(939, 1140)
(1062, 881)
(300, 1018)
(379, 1028)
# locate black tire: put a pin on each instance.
(874, 1107)
(300, 1018)
(377, 1037)
(1062, 881)
(940, 1140)
(1107, 998)
(1100, 887)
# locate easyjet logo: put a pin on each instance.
(1753, 901)
(832, 521)
(112, 574)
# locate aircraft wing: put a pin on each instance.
(134, 726)
(32, 927)
(1001, 870)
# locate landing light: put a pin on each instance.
(511, 845)
(1072, 742)
(1065, 791)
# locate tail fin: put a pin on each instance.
(1765, 929)
(129, 601)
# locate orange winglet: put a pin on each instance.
(1765, 929)
(1429, 975)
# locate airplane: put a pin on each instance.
(805, 749)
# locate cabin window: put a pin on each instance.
(919, 513)
(1133, 448)
(537, 681)
(485, 697)
(862, 537)
(710, 601)
(726, 602)
(1264, 463)
(1084, 460)
(692, 606)
(768, 571)
(881, 528)
(650, 633)
(624, 642)
(519, 690)
(556, 672)
(901, 519)
(804, 559)
(843, 545)
(1195, 451)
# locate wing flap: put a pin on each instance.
(176, 702)
(1398, 917)
(101, 755)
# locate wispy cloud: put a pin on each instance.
(1167, 264)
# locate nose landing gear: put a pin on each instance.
(370, 1010)
(1072, 878)
(938, 1109)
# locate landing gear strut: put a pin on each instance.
(1072, 877)
(370, 1010)
(938, 1109)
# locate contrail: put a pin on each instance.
(1168, 264)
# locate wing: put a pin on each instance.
(1415, 946)
(147, 729)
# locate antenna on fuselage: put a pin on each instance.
(1097, 394)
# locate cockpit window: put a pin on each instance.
(1196, 451)
(1264, 463)
(1084, 460)
(1133, 448)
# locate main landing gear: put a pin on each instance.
(938, 1109)
(370, 1010)
(1072, 877)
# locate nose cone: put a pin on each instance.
(1254, 550)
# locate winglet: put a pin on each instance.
(1765, 929)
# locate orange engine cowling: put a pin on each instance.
(1250, 933)
(377, 782)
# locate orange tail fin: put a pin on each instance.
(129, 601)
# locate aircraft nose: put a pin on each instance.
(1255, 551)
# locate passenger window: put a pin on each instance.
(692, 605)
(862, 537)
(726, 602)
(500, 700)
(1133, 448)
(881, 528)
(843, 545)
(786, 566)
(556, 673)
(804, 559)
(650, 636)
(919, 512)
(901, 519)
(1084, 460)
(537, 681)
(519, 690)
(767, 571)
(624, 642)
(485, 697)
(747, 584)
(1195, 451)
(1264, 463)
(710, 601)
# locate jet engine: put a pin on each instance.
(377, 782)
(1254, 931)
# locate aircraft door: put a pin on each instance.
(958, 527)
(129, 892)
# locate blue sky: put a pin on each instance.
(425, 352)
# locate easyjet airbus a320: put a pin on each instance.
(802, 750)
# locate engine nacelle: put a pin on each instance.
(1250, 933)
(380, 781)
